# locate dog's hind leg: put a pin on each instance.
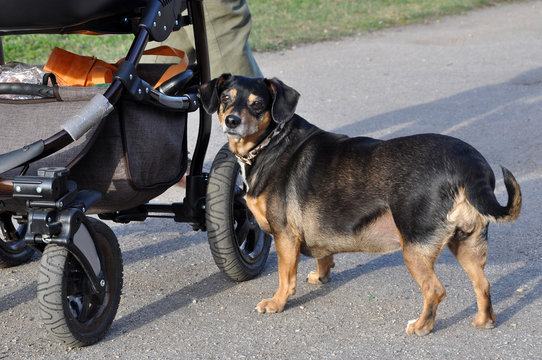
(420, 261)
(288, 250)
(471, 252)
(323, 268)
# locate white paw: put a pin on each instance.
(410, 322)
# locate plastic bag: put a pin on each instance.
(15, 72)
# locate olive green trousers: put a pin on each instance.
(228, 24)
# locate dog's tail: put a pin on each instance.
(486, 202)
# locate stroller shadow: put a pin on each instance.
(154, 247)
(210, 286)
(155, 250)
(23, 295)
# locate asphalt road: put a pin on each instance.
(477, 77)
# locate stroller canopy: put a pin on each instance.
(68, 16)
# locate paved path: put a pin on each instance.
(477, 77)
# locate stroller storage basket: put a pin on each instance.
(136, 153)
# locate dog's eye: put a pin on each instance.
(225, 98)
(257, 105)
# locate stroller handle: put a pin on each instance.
(20, 156)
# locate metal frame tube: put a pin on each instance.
(202, 56)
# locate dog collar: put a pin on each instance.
(249, 157)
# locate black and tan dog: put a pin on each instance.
(320, 193)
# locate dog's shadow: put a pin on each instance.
(339, 279)
(503, 289)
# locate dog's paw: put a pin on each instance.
(483, 322)
(411, 329)
(314, 278)
(269, 306)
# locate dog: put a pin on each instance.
(320, 193)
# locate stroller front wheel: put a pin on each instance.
(68, 308)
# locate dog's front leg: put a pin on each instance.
(288, 248)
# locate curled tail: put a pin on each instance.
(513, 207)
(488, 206)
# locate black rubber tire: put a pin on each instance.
(238, 245)
(11, 251)
(67, 308)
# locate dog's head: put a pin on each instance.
(247, 107)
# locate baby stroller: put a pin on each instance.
(73, 152)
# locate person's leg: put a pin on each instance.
(228, 28)
(228, 25)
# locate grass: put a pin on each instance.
(35, 48)
(277, 24)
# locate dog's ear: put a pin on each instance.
(284, 100)
(209, 93)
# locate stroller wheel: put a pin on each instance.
(68, 308)
(239, 247)
(13, 250)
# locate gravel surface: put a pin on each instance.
(477, 77)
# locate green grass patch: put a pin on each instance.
(35, 48)
(277, 24)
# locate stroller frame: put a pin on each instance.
(56, 208)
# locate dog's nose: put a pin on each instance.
(232, 121)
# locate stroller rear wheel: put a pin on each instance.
(13, 250)
(239, 247)
(68, 308)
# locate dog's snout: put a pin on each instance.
(232, 121)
